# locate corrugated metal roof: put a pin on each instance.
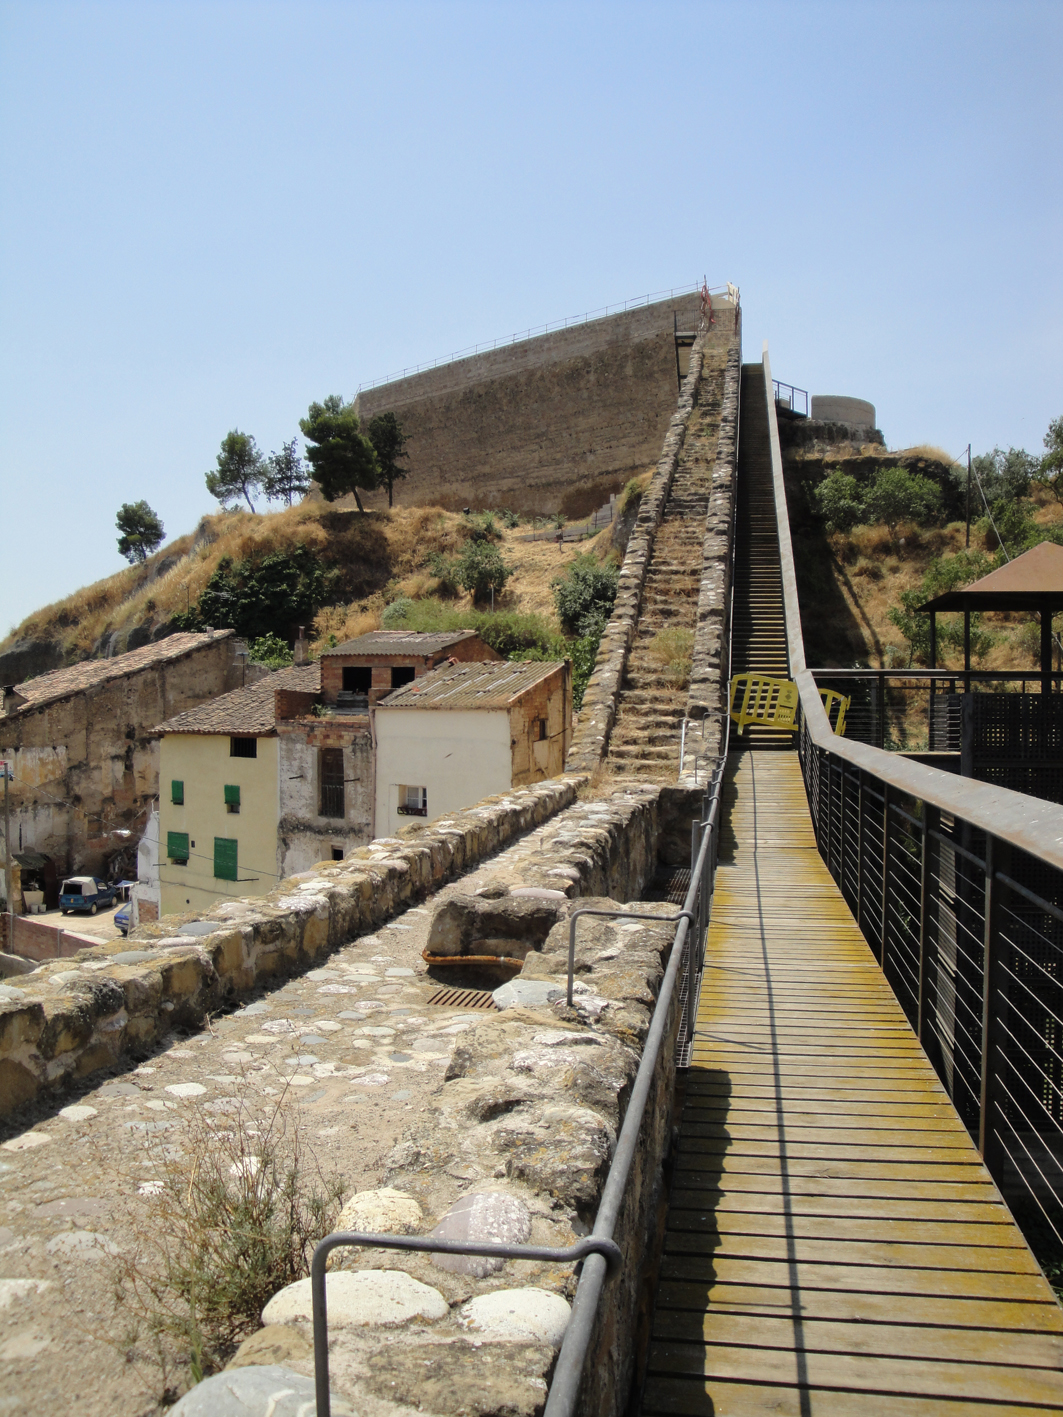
(1035, 575)
(474, 685)
(385, 642)
(90, 673)
(249, 712)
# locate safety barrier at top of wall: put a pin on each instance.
(957, 886)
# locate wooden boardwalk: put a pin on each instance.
(835, 1247)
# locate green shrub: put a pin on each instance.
(897, 496)
(630, 497)
(271, 651)
(481, 569)
(394, 615)
(262, 598)
(945, 573)
(508, 518)
(584, 595)
(839, 499)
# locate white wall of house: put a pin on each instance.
(147, 891)
(457, 756)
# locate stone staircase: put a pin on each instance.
(758, 632)
(651, 704)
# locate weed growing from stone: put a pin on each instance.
(231, 1209)
(673, 650)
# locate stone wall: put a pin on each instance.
(554, 423)
(71, 1018)
(600, 698)
(707, 698)
(87, 765)
(304, 836)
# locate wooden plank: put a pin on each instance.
(885, 1278)
(942, 1230)
(990, 1382)
(890, 1340)
(850, 1306)
(830, 1186)
(795, 1248)
(696, 1397)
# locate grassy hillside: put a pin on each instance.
(361, 562)
(850, 581)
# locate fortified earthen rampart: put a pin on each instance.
(554, 423)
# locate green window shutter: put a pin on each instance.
(177, 846)
(232, 795)
(177, 793)
(225, 858)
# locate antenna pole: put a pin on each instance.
(968, 542)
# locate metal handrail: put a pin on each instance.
(602, 313)
(778, 388)
(959, 894)
(1027, 823)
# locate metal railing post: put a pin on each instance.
(860, 810)
(928, 875)
(883, 951)
(997, 860)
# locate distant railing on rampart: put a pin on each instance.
(585, 319)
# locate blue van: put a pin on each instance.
(86, 893)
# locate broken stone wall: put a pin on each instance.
(87, 766)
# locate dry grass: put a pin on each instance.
(673, 650)
(871, 573)
(228, 1213)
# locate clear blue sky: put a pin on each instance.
(214, 213)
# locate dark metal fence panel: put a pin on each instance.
(969, 932)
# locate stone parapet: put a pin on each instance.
(598, 713)
(707, 697)
(72, 1017)
(517, 1146)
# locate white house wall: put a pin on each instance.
(459, 756)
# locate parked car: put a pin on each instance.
(87, 893)
(122, 917)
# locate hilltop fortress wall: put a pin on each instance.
(553, 423)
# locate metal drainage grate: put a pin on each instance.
(448, 998)
(684, 1042)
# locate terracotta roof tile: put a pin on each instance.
(249, 712)
(90, 673)
(384, 642)
(475, 685)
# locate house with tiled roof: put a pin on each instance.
(269, 780)
(222, 789)
(83, 748)
(463, 732)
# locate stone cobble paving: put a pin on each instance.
(352, 1046)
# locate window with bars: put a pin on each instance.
(413, 801)
(331, 773)
(243, 747)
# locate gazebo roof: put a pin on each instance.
(1032, 581)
